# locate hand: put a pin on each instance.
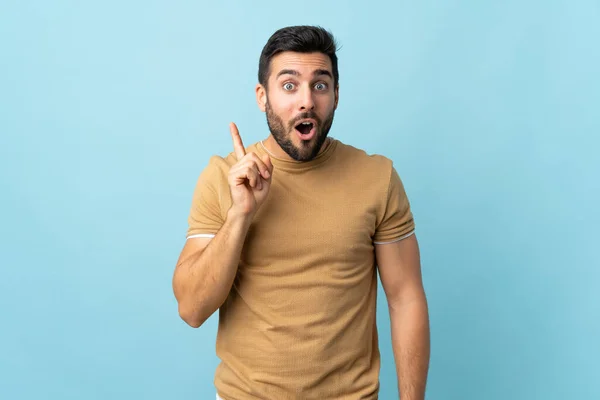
(249, 179)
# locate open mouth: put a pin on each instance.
(304, 128)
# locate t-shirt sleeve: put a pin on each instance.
(205, 217)
(397, 222)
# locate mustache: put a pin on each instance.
(304, 115)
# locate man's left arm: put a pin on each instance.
(400, 271)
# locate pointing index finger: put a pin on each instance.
(238, 146)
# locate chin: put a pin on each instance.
(306, 150)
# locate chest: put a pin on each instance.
(329, 220)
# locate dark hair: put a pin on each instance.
(301, 39)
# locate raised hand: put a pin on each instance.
(249, 179)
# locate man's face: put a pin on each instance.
(300, 102)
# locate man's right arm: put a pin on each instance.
(206, 269)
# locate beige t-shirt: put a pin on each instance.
(299, 321)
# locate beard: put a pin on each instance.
(308, 149)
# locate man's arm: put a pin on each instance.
(206, 269)
(400, 271)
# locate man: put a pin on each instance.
(286, 237)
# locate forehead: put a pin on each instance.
(303, 63)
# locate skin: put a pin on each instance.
(299, 85)
(400, 273)
(207, 267)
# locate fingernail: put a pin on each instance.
(267, 174)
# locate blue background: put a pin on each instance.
(109, 110)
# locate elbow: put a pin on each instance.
(188, 311)
(190, 316)
(194, 310)
(191, 319)
(194, 323)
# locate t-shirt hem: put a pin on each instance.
(201, 235)
(395, 240)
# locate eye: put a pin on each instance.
(288, 86)
(321, 86)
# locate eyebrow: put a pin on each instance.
(316, 73)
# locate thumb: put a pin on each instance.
(267, 160)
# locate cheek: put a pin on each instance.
(326, 103)
(287, 105)
(282, 105)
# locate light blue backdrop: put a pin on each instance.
(109, 110)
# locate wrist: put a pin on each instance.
(239, 216)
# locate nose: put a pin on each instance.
(306, 99)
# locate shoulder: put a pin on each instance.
(358, 158)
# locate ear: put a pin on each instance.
(337, 96)
(261, 97)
